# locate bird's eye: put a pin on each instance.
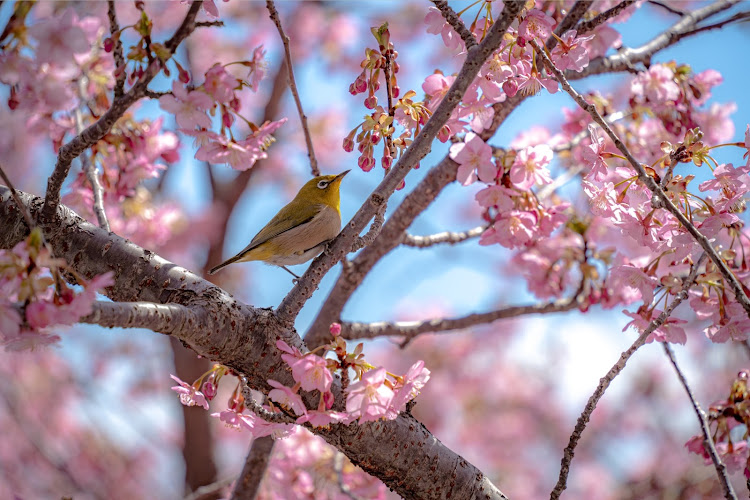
(322, 184)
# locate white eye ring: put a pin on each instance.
(322, 184)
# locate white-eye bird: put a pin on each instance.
(300, 230)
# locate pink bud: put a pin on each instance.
(371, 102)
(335, 329)
(396, 90)
(209, 390)
(109, 44)
(386, 161)
(348, 144)
(510, 87)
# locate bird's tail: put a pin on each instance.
(225, 263)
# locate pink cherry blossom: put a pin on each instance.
(716, 122)
(593, 155)
(435, 87)
(536, 24)
(657, 84)
(59, 38)
(312, 373)
(496, 196)
(605, 37)
(632, 283)
(512, 229)
(369, 398)
(189, 395)
(258, 66)
(10, 321)
(189, 108)
(747, 146)
(603, 202)
(729, 179)
(410, 385)
(570, 53)
(438, 25)
(284, 396)
(219, 84)
(322, 418)
(531, 81)
(473, 156)
(530, 167)
(734, 327)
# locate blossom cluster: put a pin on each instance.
(34, 298)
(372, 394)
(218, 95)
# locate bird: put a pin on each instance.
(300, 230)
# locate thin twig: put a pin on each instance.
(17, 199)
(207, 24)
(604, 382)
(88, 165)
(450, 238)
(667, 7)
(575, 14)
(740, 16)
(452, 18)
(114, 31)
(411, 329)
(708, 442)
(377, 224)
(659, 197)
(293, 87)
(603, 17)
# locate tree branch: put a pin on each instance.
(627, 58)
(169, 319)
(243, 338)
(660, 199)
(293, 87)
(708, 442)
(456, 23)
(604, 382)
(256, 464)
(439, 238)
(603, 17)
(445, 172)
(103, 125)
(114, 30)
(411, 329)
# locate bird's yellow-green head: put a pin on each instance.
(322, 189)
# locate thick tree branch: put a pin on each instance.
(295, 300)
(168, 319)
(660, 199)
(94, 132)
(243, 338)
(708, 442)
(450, 238)
(293, 86)
(410, 329)
(625, 59)
(604, 382)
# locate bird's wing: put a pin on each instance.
(283, 222)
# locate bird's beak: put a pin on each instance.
(341, 176)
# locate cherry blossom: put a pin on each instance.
(60, 38)
(189, 107)
(189, 395)
(657, 84)
(369, 399)
(474, 157)
(312, 372)
(570, 53)
(530, 167)
(536, 24)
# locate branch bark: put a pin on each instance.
(411, 329)
(243, 338)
